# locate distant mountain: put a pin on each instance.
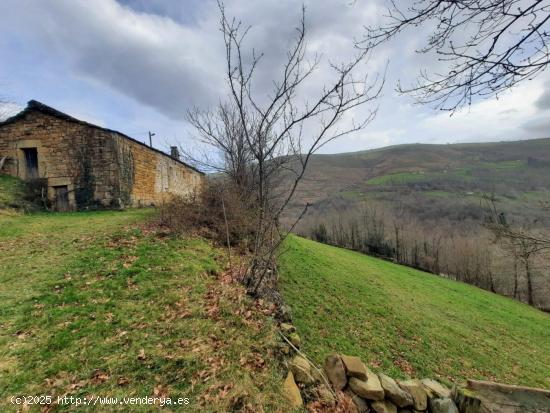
(416, 174)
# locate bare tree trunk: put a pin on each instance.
(515, 277)
(529, 282)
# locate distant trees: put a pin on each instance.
(441, 247)
(483, 46)
(260, 137)
(521, 242)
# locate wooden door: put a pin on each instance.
(61, 198)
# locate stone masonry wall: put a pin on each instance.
(99, 167)
(158, 177)
(346, 385)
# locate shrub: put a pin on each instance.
(203, 213)
(36, 193)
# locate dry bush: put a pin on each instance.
(216, 212)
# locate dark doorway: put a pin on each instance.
(31, 162)
(61, 198)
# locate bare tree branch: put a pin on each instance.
(488, 45)
(261, 140)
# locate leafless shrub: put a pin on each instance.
(258, 138)
(215, 212)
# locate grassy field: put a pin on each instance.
(410, 323)
(99, 304)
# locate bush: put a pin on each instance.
(36, 193)
(203, 213)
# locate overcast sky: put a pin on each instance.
(138, 65)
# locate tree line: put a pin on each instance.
(493, 255)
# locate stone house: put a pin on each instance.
(85, 165)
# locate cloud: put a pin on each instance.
(543, 102)
(493, 118)
(8, 109)
(539, 127)
(142, 63)
(150, 58)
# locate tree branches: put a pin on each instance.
(488, 46)
(267, 139)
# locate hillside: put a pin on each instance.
(100, 303)
(408, 322)
(12, 194)
(425, 177)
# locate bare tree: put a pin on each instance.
(221, 130)
(265, 138)
(488, 45)
(519, 241)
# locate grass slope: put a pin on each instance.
(11, 193)
(410, 323)
(95, 304)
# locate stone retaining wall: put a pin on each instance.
(346, 384)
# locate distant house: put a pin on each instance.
(86, 165)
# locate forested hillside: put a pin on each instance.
(426, 206)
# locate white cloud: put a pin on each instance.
(167, 56)
(491, 119)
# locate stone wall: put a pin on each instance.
(156, 176)
(99, 167)
(346, 384)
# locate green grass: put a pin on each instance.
(399, 178)
(11, 192)
(504, 165)
(410, 323)
(99, 304)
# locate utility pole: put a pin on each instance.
(151, 134)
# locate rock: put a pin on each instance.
(287, 328)
(394, 393)
(324, 395)
(301, 369)
(354, 367)
(336, 372)
(295, 340)
(384, 407)
(292, 391)
(370, 389)
(486, 396)
(318, 375)
(283, 348)
(443, 405)
(466, 400)
(405, 411)
(360, 404)
(435, 389)
(284, 313)
(416, 390)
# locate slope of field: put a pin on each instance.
(410, 323)
(11, 193)
(100, 304)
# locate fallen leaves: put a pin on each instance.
(99, 377)
(123, 381)
(253, 361)
(404, 366)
